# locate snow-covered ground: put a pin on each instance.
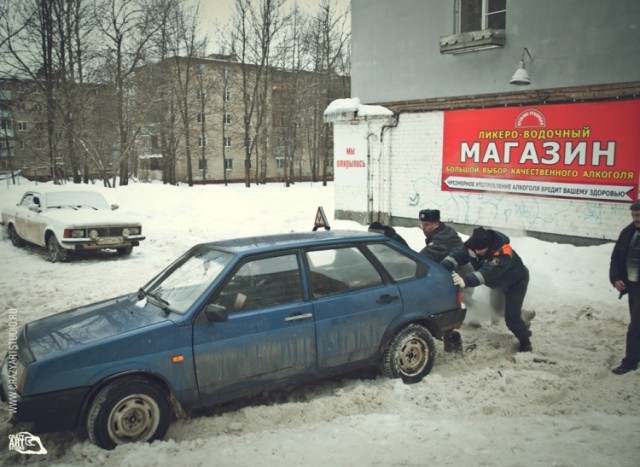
(557, 406)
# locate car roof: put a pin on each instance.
(266, 243)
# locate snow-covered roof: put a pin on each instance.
(351, 109)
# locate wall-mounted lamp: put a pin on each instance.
(521, 77)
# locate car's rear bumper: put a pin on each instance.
(449, 320)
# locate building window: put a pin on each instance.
(479, 24)
(228, 164)
(40, 126)
(200, 94)
(475, 15)
(227, 141)
(280, 162)
(227, 119)
(201, 118)
(22, 126)
(5, 125)
(202, 164)
(37, 107)
(227, 96)
(202, 142)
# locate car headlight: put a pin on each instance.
(74, 233)
(93, 234)
(131, 231)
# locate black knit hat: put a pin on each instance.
(480, 238)
(635, 206)
(429, 215)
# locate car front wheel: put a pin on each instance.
(125, 251)
(16, 240)
(56, 252)
(410, 354)
(127, 411)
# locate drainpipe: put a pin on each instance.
(394, 124)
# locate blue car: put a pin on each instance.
(228, 319)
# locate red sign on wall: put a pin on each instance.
(584, 151)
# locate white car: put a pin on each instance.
(66, 221)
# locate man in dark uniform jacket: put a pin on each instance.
(500, 268)
(624, 274)
(440, 239)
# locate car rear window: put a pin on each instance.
(399, 266)
(338, 270)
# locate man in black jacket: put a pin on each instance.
(624, 274)
(500, 268)
(440, 238)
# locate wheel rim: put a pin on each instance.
(134, 418)
(53, 249)
(413, 356)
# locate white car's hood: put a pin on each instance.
(87, 217)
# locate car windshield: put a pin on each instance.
(76, 199)
(183, 283)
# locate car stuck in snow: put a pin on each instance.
(226, 320)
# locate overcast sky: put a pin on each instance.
(217, 13)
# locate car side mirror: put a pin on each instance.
(114, 207)
(216, 313)
(34, 207)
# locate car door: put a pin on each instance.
(25, 218)
(352, 304)
(269, 336)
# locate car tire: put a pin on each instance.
(125, 251)
(410, 355)
(126, 411)
(56, 252)
(16, 240)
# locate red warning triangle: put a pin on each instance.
(321, 220)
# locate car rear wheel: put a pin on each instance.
(56, 252)
(127, 411)
(16, 240)
(410, 354)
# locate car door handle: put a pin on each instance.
(386, 299)
(299, 316)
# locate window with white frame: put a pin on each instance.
(280, 162)
(227, 95)
(227, 119)
(478, 25)
(228, 164)
(202, 142)
(476, 15)
(227, 141)
(201, 118)
(22, 126)
(200, 94)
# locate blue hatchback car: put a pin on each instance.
(228, 319)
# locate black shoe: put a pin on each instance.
(624, 368)
(525, 345)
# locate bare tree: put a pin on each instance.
(328, 40)
(128, 28)
(255, 25)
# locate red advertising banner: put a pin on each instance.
(584, 151)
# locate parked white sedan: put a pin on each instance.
(64, 221)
